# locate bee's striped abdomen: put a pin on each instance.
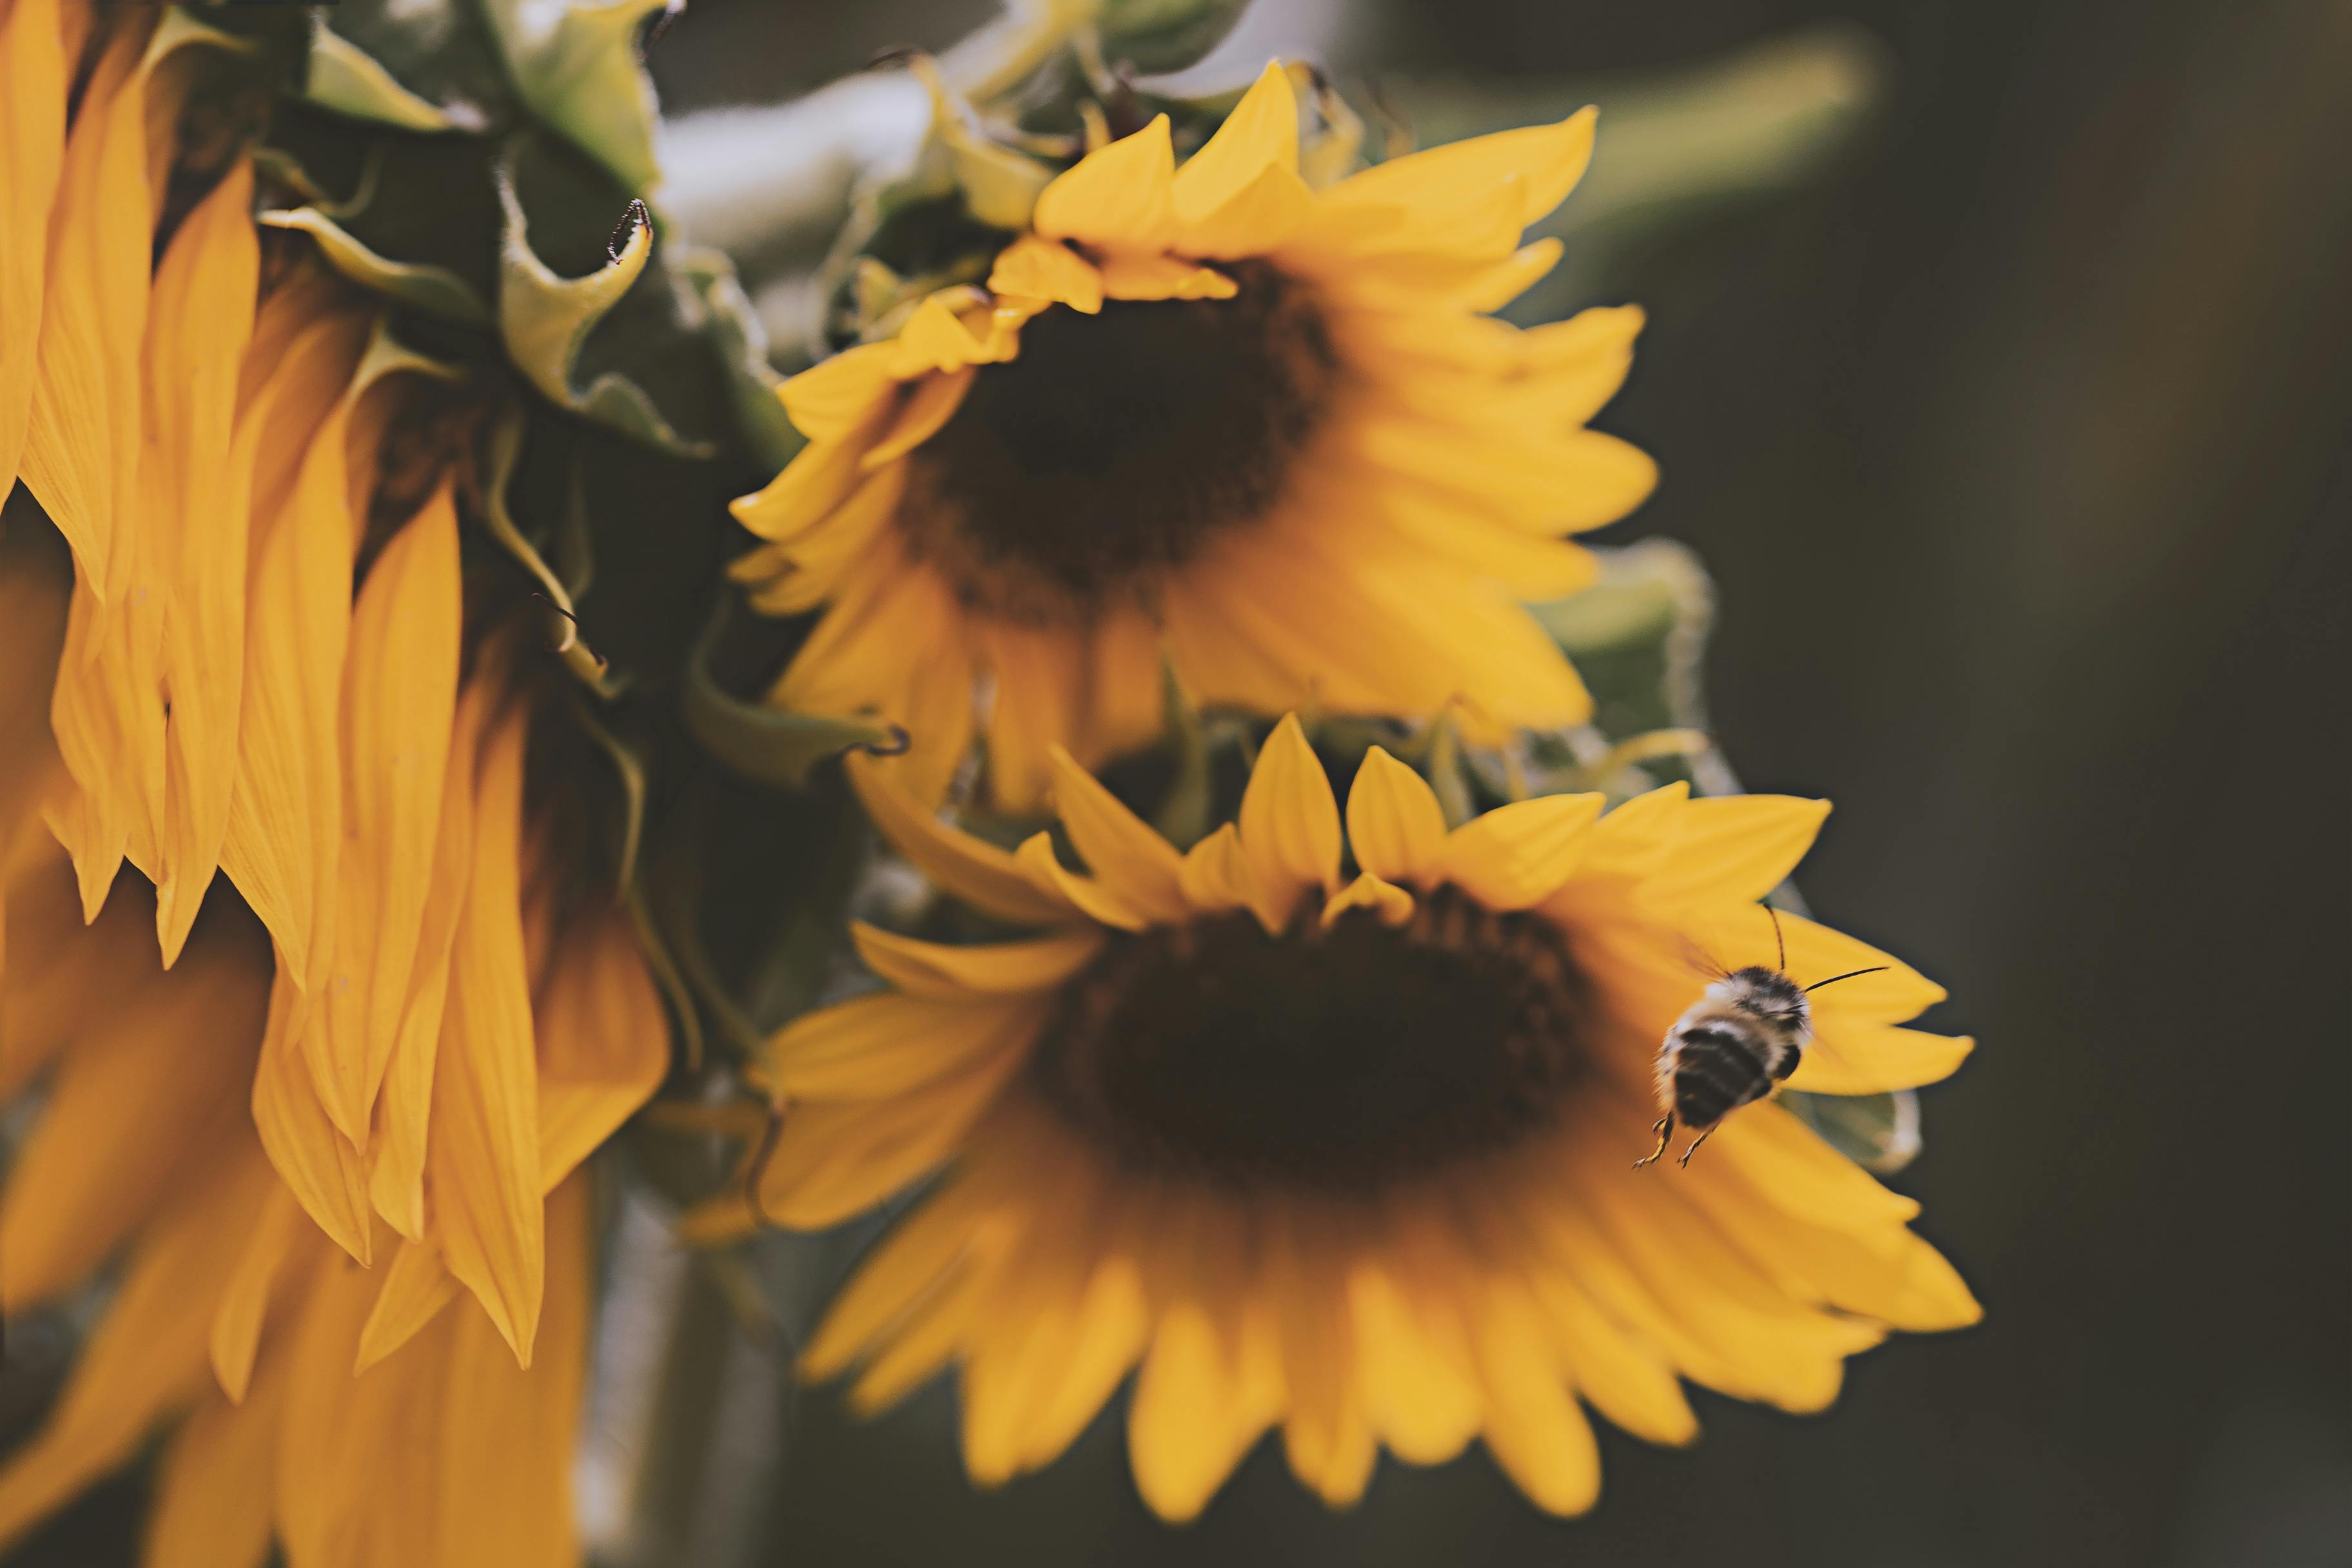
(1718, 1068)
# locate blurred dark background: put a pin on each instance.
(2017, 444)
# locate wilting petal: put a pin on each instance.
(318, 1163)
(34, 76)
(604, 1042)
(483, 1155)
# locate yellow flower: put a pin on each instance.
(247, 647)
(1209, 414)
(1351, 1155)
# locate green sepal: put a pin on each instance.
(577, 70)
(759, 742)
(1158, 36)
(348, 80)
(544, 319)
(741, 342)
(436, 290)
(1879, 1132)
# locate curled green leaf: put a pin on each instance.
(759, 742)
(436, 290)
(577, 67)
(349, 80)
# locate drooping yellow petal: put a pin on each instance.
(482, 1159)
(400, 699)
(504, 1451)
(107, 714)
(604, 1042)
(404, 1107)
(82, 444)
(1131, 276)
(1119, 199)
(1121, 850)
(34, 76)
(1394, 823)
(950, 974)
(1040, 270)
(416, 1288)
(833, 398)
(212, 1505)
(146, 1358)
(1515, 856)
(930, 405)
(980, 873)
(833, 1161)
(285, 821)
(245, 1304)
(317, 1163)
(204, 321)
(1289, 825)
(154, 1084)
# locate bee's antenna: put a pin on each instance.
(1849, 975)
(1778, 941)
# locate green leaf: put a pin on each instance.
(349, 80)
(577, 67)
(436, 290)
(544, 319)
(759, 742)
(741, 342)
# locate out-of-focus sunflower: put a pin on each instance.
(393, 1030)
(1213, 415)
(1347, 1153)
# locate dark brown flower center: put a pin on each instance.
(1115, 445)
(1335, 1061)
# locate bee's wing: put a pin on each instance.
(1701, 961)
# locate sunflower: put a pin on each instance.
(1213, 417)
(1351, 1155)
(357, 1008)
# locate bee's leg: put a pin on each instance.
(1665, 1130)
(1685, 1161)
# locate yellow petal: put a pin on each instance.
(505, 1448)
(482, 1159)
(604, 1043)
(212, 1503)
(146, 1360)
(400, 699)
(811, 485)
(1395, 822)
(1749, 933)
(1193, 1418)
(1216, 873)
(959, 974)
(416, 1288)
(1580, 362)
(1098, 900)
(317, 1163)
(1515, 856)
(834, 398)
(285, 828)
(1120, 197)
(1849, 1055)
(245, 1305)
(1261, 132)
(1734, 849)
(1122, 851)
(1038, 268)
(204, 651)
(1254, 221)
(833, 1161)
(906, 1266)
(936, 340)
(978, 873)
(1533, 1427)
(1418, 1386)
(396, 1181)
(155, 1083)
(931, 404)
(1143, 276)
(879, 1047)
(106, 712)
(1548, 161)
(34, 76)
(1289, 824)
(1628, 1379)
(1391, 903)
(82, 448)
